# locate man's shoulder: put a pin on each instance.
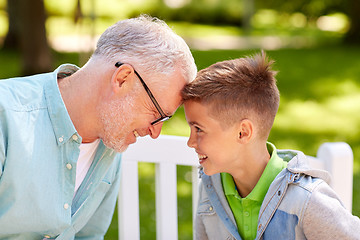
(22, 93)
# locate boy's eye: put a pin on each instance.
(198, 129)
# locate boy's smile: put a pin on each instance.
(202, 158)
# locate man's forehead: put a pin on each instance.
(170, 100)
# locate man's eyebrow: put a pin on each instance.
(167, 113)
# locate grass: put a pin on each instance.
(320, 101)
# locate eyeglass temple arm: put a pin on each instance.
(118, 64)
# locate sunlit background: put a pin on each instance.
(316, 46)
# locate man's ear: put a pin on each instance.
(245, 130)
(121, 78)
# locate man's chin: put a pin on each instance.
(121, 147)
(120, 150)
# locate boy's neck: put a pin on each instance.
(256, 158)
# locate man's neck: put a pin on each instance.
(79, 93)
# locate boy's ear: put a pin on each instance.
(246, 130)
(121, 78)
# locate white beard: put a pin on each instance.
(115, 118)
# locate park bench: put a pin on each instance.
(166, 152)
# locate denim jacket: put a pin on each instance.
(298, 205)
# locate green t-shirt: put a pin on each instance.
(246, 210)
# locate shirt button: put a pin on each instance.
(246, 214)
(61, 139)
(68, 166)
(210, 208)
(75, 137)
(246, 227)
(66, 206)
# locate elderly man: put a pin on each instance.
(59, 173)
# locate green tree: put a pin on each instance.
(27, 33)
(317, 8)
(353, 9)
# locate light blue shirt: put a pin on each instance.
(39, 148)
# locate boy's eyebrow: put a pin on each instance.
(194, 123)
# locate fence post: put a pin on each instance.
(128, 204)
(166, 201)
(339, 162)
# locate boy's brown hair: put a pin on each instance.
(243, 88)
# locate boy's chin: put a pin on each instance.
(209, 172)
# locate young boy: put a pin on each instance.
(250, 190)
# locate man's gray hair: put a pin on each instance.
(148, 44)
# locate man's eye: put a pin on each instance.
(157, 115)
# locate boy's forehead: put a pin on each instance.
(196, 111)
(197, 106)
(200, 115)
(190, 105)
(194, 108)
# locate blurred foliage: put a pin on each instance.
(297, 13)
(313, 8)
(223, 17)
(201, 11)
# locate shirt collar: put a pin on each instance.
(63, 127)
(229, 184)
(272, 169)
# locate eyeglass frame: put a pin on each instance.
(163, 117)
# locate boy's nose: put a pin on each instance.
(191, 142)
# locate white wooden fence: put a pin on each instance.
(169, 151)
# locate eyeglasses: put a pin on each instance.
(163, 117)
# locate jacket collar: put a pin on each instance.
(214, 189)
(299, 164)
